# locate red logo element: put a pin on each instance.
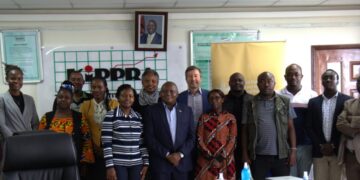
(88, 68)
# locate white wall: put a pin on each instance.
(299, 30)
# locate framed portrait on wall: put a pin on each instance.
(151, 31)
(354, 70)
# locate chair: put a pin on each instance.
(40, 155)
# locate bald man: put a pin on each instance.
(269, 131)
(169, 136)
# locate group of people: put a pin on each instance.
(162, 134)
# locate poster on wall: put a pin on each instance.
(22, 48)
(249, 58)
(200, 46)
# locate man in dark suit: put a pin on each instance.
(323, 111)
(151, 37)
(169, 136)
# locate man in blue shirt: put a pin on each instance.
(169, 136)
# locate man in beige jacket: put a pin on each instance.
(348, 124)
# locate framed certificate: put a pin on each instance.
(22, 48)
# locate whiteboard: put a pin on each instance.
(175, 62)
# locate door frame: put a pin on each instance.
(315, 76)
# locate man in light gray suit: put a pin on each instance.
(348, 124)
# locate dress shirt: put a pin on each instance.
(195, 102)
(150, 37)
(328, 109)
(171, 118)
(100, 111)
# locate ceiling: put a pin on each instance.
(177, 5)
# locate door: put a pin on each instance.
(344, 59)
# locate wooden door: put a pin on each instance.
(344, 59)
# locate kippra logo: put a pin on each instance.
(114, 73)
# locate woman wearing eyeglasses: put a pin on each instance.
(216, 140)
(65, 120)
(94, 111)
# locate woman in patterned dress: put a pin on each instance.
(216, 140)
(65, 120)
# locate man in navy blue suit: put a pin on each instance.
(323, 111)
(151, 37)
(196, 98)
(169, 136)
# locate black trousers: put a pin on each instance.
(263, 164)
(170, 175)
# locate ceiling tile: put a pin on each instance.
(42, 4)
(200, 3)
(149, 1)
(246, 3)
(298, 2)
(98, 4)
(7, 4)
(149, 5)
(341, 2)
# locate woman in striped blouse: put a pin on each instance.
(125, 155)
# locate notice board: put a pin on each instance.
(200, 46)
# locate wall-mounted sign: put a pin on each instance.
(22, 48)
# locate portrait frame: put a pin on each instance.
(156, 22)
(354, 70)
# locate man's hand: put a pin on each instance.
(245, 158)
(292, 157)
(327, 149)
(174, 158)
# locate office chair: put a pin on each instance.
(40, 155)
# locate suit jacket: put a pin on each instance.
(314, 123)
(183, 98)
(11, 118)
(159, 142)
(348, 116)
(156, 40)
